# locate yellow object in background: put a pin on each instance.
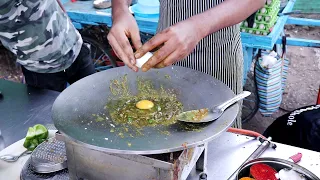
(144, 104)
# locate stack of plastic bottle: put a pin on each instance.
(264, 20)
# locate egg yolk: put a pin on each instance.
(144, 104)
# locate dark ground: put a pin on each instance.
(8, 68)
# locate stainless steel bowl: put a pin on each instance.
(277, 164)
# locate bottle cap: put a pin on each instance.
(296, 158)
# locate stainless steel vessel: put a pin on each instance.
(91, 164)
(277, 164)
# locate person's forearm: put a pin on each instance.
(120, 6)
(228, 13)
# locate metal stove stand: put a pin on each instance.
(88, 164)
(27, 173)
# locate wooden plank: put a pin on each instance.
(256, 41)
(83, 11)
(303, 21)
(301, 42)
(64, 1)
(77, 25)
(278, 28)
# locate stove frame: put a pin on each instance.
(85, 163)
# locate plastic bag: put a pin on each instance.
(271, 74)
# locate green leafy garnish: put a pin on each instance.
(35, 136)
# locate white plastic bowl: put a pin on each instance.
(148, 6)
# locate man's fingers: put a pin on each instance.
(136, 41)
(158, 56)
(154, 42)
(120, 53)
(160, 65)
(135, 38)
(171, 59)
(126, 46)
(115, 46)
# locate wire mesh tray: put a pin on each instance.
(27, 173)
(50, 156)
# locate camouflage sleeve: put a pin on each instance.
(39, 33)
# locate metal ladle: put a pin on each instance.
(210, 114)
(13, 158)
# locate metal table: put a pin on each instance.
(23, 106)
(227, 153)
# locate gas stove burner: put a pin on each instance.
(28, 174)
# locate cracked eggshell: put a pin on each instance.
(140, 62)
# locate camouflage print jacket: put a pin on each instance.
(39, 33)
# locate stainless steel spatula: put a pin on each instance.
(210, 114)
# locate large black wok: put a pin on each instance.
(73, 109)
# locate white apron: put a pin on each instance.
(219, 54)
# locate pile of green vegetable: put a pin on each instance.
(35, 136)
(123, 110)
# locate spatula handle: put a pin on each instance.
(237, 98)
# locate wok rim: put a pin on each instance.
(154, 151)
